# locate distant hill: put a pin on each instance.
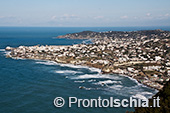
(115, 34)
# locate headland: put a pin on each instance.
(142, 55)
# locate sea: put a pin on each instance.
(30, 86)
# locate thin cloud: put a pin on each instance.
(53, 17)
(98, 17)
(10, 20)
(167, 15)
(148, 14)
(124, 17)
(65, 17)
(7, 17)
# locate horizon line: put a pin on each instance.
(83, 26)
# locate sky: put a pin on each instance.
(84, 13)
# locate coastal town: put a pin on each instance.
(142, 55)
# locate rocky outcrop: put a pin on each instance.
(164, 102)
(8, 48)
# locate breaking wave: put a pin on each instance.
(47, 63)
(139, 96)
(67, 72)
(68, 65)
(78, 81)
(108, 83)
(90, 76)
(2, 49)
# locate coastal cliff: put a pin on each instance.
(164, 103)
(142, 55)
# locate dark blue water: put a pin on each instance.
(30, 86)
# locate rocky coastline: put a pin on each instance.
(141, 55)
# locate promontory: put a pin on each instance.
(142, 55)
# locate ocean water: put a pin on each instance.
(30, 86)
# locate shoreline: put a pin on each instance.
(141, 55)
(89, 67)
(49, 62)
(100, 72)
(104, 70)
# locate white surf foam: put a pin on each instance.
(146, 93)
(2, 49)
(89, 76)
(86, 76)
(73, 66)
(139, 84)
(139, 96)
(47, 63)
(89, 88)
(95, 69)
(82, 87)
(79, 66)
(80, 81)
(92, 80)
(68, 71)
(135, 91)
(18, 58)
(5, 52)
(108, 82)
(68, 65)
(116, 87)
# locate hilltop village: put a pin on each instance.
(142, 55)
